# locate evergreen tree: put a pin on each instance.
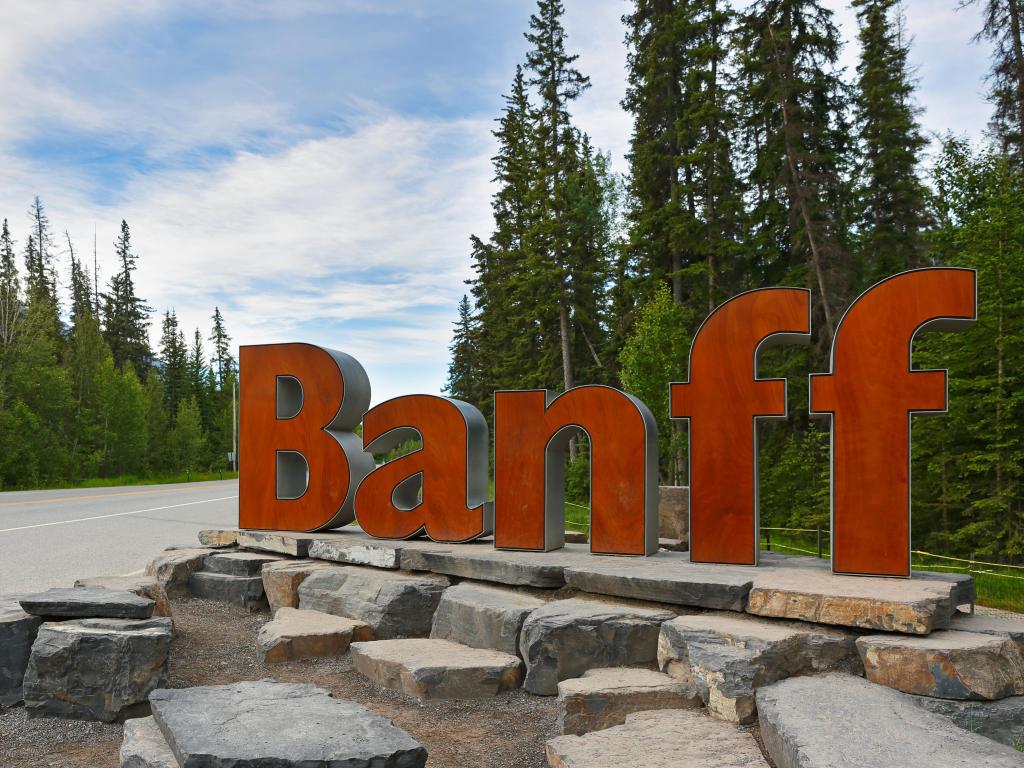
(463, 371)
(174, 363)
(8, 268)
(186, 439)
(221, 359)
(125, 314)
(891, 194)
(40, 275)
(12, 309)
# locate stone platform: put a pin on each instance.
(780, 587)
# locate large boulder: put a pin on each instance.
(87, 603)
(281, 580)
(393, 604)
(565, 638)
(280, 542)
(17, 633)
(1009, 625)
(144, 746)
(482, 616)
(437, 669)
(243, 591)
(670, 738)
(1001, 720)
(173, 567)
(728, 657)
(295, 634)
(946, 665)
(238, 563)
(603, 698)
(141, 585)
(96, 669)
(832, 720)
(278, 725)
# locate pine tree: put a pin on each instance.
(8, 268)
(463, 370)
(221, 359)
(891, 193)
(12, 309)
(174, 363)
(126, 315)
(81, 287)
(41, 277)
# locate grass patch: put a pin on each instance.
(154, 479)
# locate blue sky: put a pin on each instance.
(315, 167)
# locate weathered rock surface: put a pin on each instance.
(1001, 720)
(88, 603)
(728, 657)
(279, 725)
(218, 538)
(238, 563)
(482, 616)
(95, 669)
(529, 569)
(281, 542)
(173, 567)
(832, 720)
(17, 633)
(674, 512)
(281, 580)
(243, 591)
(437, 669)
(576, 537)
(144, 746)
(384, 554)
(603, 698)
(393, 604)
(295, 634)
(141, 585)
(672, 738)
(945, 665)
(1007, 625)
(565, 638)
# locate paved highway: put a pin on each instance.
(50, 538)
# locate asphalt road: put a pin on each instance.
(50, 538)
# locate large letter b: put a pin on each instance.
(300, 462)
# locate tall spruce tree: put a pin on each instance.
(174, 363)
(892, 197)
(221, 358)
(41, 279)
(463, 370)
(126, 315)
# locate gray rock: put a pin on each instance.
(238, 563)
(835, 720)
(1001, 720)
(727, 657)
(244, 591)
(281, 542)
(281, 580)
(667, 577)
(87, 603)
(529, 569)
(437, 669)
(1009, 625)
(669, 738)
(384, 554)
(295, 634)
(946, 664)
(141, 585)
(674, 512)
(96, 669)
(394, 604)
(173, 567)
(219, 538)
(278, 725)
(483, 617)
(144, 746)
(17, 633)
(565, 638)
(603, 698)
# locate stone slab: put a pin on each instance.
(281, 580)
(144, 746)
(834, 720)
(482, 616)
(603, 698)
(96, 669)
(528, 569)
(284, 725)
(1009, 625)
(296, 634)
(141, 585)
(727, 657)
(1001, 720)
(280, 542)
(384, 554)
(565, 638)
(87, 603)
(394, 604)
(672, 738)
(437, 669)
(17, 633)
(219, 538)
(173, 567)
(946, 664)
(238, 563)
(243, 591)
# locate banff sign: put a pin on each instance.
(306, 469)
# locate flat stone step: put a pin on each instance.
(482, 616)
(833, 720)
(603, 698)
(144, 746)
(727, 657)
(1001, 720)
(394, 604)
(280, 542)
(1006, 625)
(565, 638)
(238, 563)
(173, 567)
(96, 669)
(437, 669)
(671, 738)
(945, 665)
(281, 580)
(296, 634)
(141, 585)
(286, 725)
(87, 603)
(243, 591)
(17, 633)
(219, 538)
